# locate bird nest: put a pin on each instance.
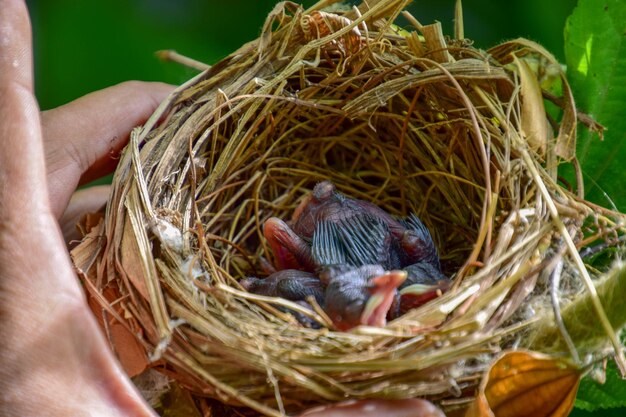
(407, 120)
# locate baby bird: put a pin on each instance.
(369, 234)
(360, 295)
(350, 296)
(289, 284)
(423, 280)
(370, 265)
(292, 285)
(355, 295)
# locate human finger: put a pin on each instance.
(374, 408)
(82, 139)
(15, 41)
(22, 175)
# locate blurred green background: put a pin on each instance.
(82, 46)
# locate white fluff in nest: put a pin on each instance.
(169, 235)
(192, 268)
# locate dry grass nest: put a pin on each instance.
(408, 120)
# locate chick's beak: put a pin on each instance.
(383, 289)
(415, 295)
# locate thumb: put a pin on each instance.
(22, 174)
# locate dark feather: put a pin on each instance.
(327, 248)
(366, 239)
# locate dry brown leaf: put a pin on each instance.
(436, 43)
(88, 222)
(525, 383)
(128, 350)
(177, 402)
(534, 121)
(566, 138)
(131, 261)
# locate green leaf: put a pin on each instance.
(595, 53)
(594, 396)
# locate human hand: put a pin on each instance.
(53, 358)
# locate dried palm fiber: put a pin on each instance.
(407, 120)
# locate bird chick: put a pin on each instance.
(360, 295)
(289, 284)
(368, 234)
(292, 285)
(351, 244)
